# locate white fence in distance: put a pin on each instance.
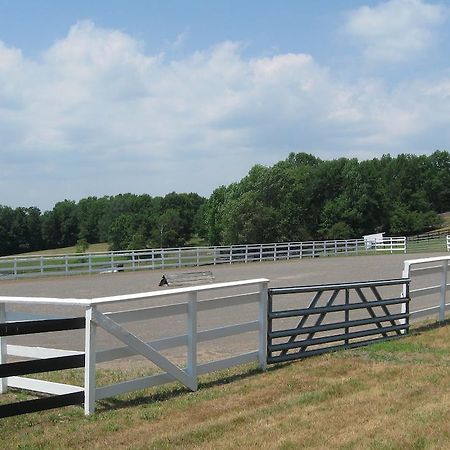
(448, 243)
(435, 286)
(251, 291)
(131, 260)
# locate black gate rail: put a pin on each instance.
(396, 323)
(41, 365)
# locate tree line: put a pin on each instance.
(300, 198)
(304, 197)
(125, 221)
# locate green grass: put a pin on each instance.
(391, 395)
(102, 247)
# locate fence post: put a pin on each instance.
(42, 264)
(192, 337)
(15, 267)
(3, 350)
(198, 258)
(89, 362)
(405, 294)
(443, 290)
(263, 300)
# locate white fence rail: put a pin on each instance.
(429, 286)
(25, 267)
(448, 243)
(195, 300)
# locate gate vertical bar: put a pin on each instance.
(407, 300)
(263, 305)
(347, 313)
(89, 362)
(443, 291)
(192, 337)
(3, 350)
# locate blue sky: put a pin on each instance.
(98, 98)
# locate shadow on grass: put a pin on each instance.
(428, 327)
(177, 391)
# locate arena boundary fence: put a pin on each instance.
(163, 258)
(250, 292)
(436, 285)
(195, 300)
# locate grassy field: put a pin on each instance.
(392, 395)
(103, 247)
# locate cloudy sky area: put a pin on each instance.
(99, 98)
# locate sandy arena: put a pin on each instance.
(281, 273)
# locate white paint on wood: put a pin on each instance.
(39, 352)
(192, 338)
(142, 348)
(47, 387)
(228, 362)
(133, 385)
(90, 361)
(155, 312)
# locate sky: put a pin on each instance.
(107, 97)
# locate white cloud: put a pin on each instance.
(395, 30)
(96, 115)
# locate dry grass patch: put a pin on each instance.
(392, 395)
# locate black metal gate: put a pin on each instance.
(351, 315)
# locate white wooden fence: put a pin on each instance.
(428, 287)
(77, 263)
(250, 291)
(448, 243)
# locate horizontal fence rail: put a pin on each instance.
(434, 243)
(11, 373)
(429, 286)
(194, 301)
(147, 259)
(337, 316)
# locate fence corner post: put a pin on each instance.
(263, 300)
(89, 362)
(3, 350)
(192, 338)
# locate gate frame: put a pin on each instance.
(399, 328)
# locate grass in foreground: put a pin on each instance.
(392, 395)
